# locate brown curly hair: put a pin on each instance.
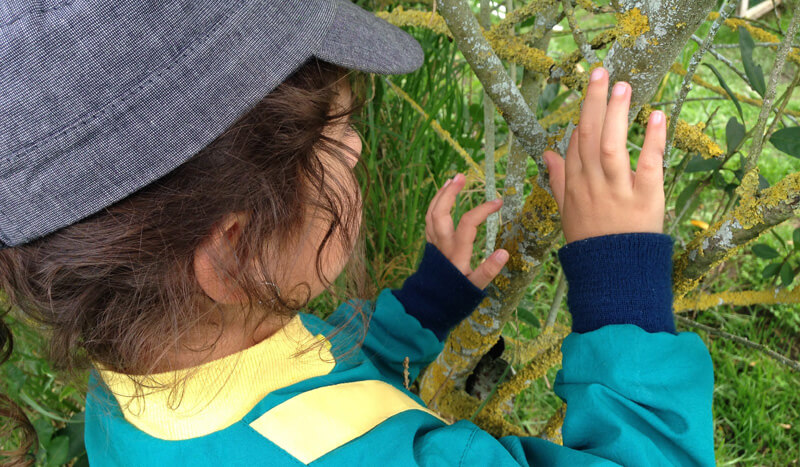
(118, 288)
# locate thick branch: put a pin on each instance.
(653, 33)
(757, 212)
(491, 73)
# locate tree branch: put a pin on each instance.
(756, 213)
(491, 73)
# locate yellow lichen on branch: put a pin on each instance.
(514, 49)
(687, 137)
(460, 405)
(630, 25)
(547, 358)
(757, 211)
(738, 298)
(552, 430)
(418, 19)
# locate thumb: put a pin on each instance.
(555, 168)
(488, 269)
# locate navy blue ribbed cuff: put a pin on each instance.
(620, 279)
(438, 294)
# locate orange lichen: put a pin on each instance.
(630, 25)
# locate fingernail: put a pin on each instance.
(497, 201)
(597, 73)
(658, 116)
(458, 177)
(619, 89)
(500, 256)
(447, 182)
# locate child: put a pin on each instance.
(162, 215)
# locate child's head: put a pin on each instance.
(273, 200)
(119, 235)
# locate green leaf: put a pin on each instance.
(28, 400)
(559, 100)
(770, 270)
(57, 451)
(734, 133)
(685, 195)
(753, 71)
(787, 140)
(727, 89)
(796, 238)
(528, 317)
(740, 171)
(762, 182)
(762, 250)
(787, 275)
(699, 164)
(719, 180)
(548, 94)
(82, 461)
(74, 431)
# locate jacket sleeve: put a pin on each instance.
(413, 321)
(637, 393)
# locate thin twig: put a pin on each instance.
(792, 364)
(559, 296)
(757, 44)
(488, 145)
(724, 60)
(786, 96)
(584, 47)
(689, 99)
(724, 12)
(769, 97)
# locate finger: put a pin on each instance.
(591, 122)
(555, 169)
(572, 163)
(441, 208)
(485, 273)
(650, 167)
(435, 198)
(468, 229)
(614, 157)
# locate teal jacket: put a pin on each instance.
(634, 397)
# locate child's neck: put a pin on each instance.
(235, 337)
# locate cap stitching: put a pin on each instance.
(122, 97)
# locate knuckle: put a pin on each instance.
(586, 130)
(608, 148)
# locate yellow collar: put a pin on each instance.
(222, 391)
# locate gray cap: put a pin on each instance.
(100, 99)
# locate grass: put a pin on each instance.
(756, 399)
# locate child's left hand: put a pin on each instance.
(457, 244)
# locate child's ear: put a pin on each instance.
(214, 261)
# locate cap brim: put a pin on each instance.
(360, 40)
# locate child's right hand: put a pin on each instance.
(596, 191)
